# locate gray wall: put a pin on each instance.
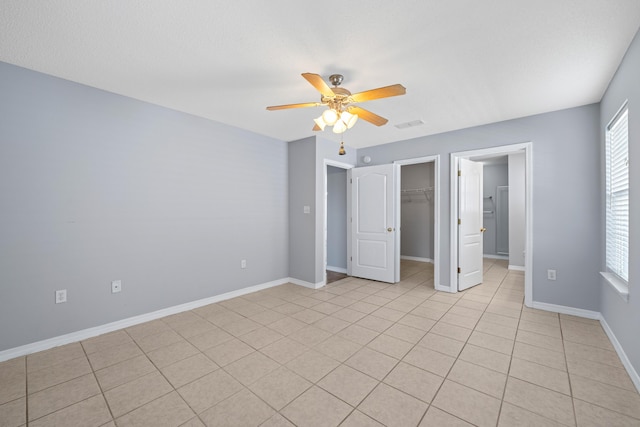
(336, 217)
(624, 317)
(493, 175)
(517, 203)
(565, 150)
(96, 187)
(416, 211)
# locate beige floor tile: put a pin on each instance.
(542, 401)
(62, 395)
(115, 354)
(205, 392)
(406, 333)
(241, 409)
(349, 315)
(327, 308)
(372, 363)
(277, 421)
(331, 324)
(310, 335)
(152, 342)
(92, 412)
(438, 418)
(123, 372)
(538, 340)
(287, 325)
(495, 329)
(54, 356)
(168, 410)
(429, 360)
(209, 339)
(451, 331)
(358, 419)
(589, 336)
(600, 372)
(241, 326)
(442, 344)
(491, 342)
(270, 302)
(468, 404)
(13, 379)
(229, 352)
(457, 320)
(280, 387)
(348, 384)
(261, 337)
(187, 370)
(338, 348)
(312, 365)
(589, 415)
(14, 413)
(56, 374)
(511, 415)
(487, 358)
(478, 378)
(497, 319)
(529, 316)
(503, 310)
(172, 353)
(267, 317)
(388, 314)
(193, 328)
(225, 317)
(474, 305)
(364, 307)
(460, 310)
(358, 334)
(414, 381)
(576, 351)
(540, 355)
(605, 395)
(249, 310)
(105, 341)
(417, 322)
(540, 328)
(541, 375)
(308, 316)
(392, 407)
(374, 323)
(376, 300)
(390, 346)
(136, 393)
(316, 407)
(345, 300)
(400, 306)
(284, 350)
(251, 368)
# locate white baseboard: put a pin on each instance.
(491, 256)
(416, 258)
(635, 378)
(337, 269)
(131, 321)
(516, 267)
(579, 312)
(444, 289)
(306, 284)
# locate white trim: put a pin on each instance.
(307, 284)
(633, 374)
(516, 267)
(618, 285)
(131, 321)
(436, 213)
(337, 269)
(563, 309)
(491, 256)
(416, 258)
(528, 262)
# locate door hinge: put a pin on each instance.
(350, 258)
(459, 221)
(351, 181)
(459, 270)
(459, 173)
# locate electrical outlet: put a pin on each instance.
(61, 296)
(551, 275)
(243, 263)
(116, 286)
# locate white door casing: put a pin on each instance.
(470, 224)
(373, 227)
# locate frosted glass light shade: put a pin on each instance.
(349, 119)
(330, 117)
(339, 127)
(320, 122)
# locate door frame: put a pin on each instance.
(436, 215)
(345, 166)
(453, 220)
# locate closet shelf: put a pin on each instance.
(427, 192)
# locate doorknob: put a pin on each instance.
(389, 229)
(482, 230)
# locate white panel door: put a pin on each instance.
(373, 224)
(470, 226)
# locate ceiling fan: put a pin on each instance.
(341, 114)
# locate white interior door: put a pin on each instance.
(470, 224)
(373, 223)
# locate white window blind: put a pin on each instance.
(617, 195)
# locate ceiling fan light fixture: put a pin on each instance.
(320, 122)
(339, 127)
(349, 119)
(330, 117)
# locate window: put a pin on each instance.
(617, 195)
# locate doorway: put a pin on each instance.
(519, 208)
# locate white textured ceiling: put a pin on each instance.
(463, 62)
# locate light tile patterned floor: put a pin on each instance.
(355, 353)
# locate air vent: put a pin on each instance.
(410, 124)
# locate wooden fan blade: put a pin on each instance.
(317, 82)
(368, 116)
(316, 128)
(284, 107)
(381, 92)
